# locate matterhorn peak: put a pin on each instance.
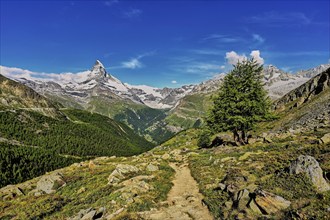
(98, 69)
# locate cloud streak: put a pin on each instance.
(274, 18)
(222, 38)
(132, 13)
(135, 63)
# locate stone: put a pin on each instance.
(266, 202)
(152, 168)
(308, 165)
(113, 215)
(119, 173)
(89, 214)
(325, 139)
(81, 190)
(10, 192)
(50, 183)
(166, 157)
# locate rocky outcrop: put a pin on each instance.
(266, 203)
(89, 214)
(119, 173)
(325, 139)
(306, 91)
(49, 184)
(308, 165)
(10, 192)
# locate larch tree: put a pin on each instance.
(241, 101)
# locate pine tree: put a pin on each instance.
(241, 101)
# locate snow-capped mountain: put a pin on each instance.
(95, 82)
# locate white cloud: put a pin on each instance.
(17, 73)
(174, 82)
(222, 67)
(233, 58)
(133, 12)
(256, 55)
(258, 38)
(133, 63)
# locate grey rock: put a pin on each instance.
(325, 139)
(308, 165)
(119, 173)
(50, 183)
(152, 168)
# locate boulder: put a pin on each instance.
(10, 192)
(152, 168)
(266, 203)
(325, 139)
(308, 165)
(166, 157)
(50, 183)
(89, 214)
(119, 173)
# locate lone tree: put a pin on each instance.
(241, 102)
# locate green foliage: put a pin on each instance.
(204, 139)
(89, 134)
(18, 163)
(49, 143)
(241, 101)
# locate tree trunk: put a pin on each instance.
(244, 137)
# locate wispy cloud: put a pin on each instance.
(274, 18)
(257, 38)
(205, 69)
(297, 53)
(207, 52)
(222, 38)
(135, 63)
(174, 82)
(110, 3)
(132, 13)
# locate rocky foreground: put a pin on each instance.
(277, 176)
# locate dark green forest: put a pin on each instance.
(20, 163)
(43, 139)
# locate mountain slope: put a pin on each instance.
(65, 136)
(153, 113)
(306, 107)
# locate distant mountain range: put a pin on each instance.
(155, 113)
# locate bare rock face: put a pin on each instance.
(308, 165)
(50, 183)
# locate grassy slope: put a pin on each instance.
(190, 111)
(87, 188)
(263, 164)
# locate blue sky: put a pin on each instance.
(163, 43)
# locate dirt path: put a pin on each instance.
(184, 200)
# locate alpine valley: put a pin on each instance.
(83, 146)
(155, 113)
